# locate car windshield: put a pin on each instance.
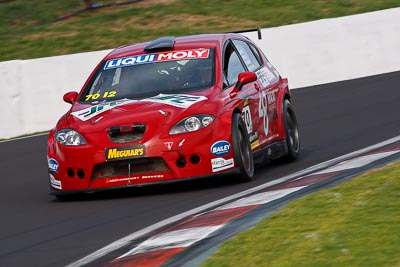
(148, 75)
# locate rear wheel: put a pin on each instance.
(292, 132)
(241, 149)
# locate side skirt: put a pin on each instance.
(273, 151)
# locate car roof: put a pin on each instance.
(181, 43)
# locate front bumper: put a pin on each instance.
(101, 164)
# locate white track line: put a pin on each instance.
(174, 239)
(125, 240)
(260, 199)
(357, 162)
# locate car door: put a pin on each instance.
(233, 65)
(268, 85)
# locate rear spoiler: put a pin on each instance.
(251, 30)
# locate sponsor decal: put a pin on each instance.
(220, 148)
(176, 100)
(55, 183)
(219, 164)
(53, 165)
(253, 137)
(254, 142)
(125, 152)
(155, 176)
(90, 112)
(169, 145)
(265, 76)
(127, 179)
(157, 57)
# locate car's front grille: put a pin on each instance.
(129, 167)
(126, 133)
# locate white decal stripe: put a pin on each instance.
(174, 239)
(261, 198)
(357, 162)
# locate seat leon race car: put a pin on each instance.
(172, 109)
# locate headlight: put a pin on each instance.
(192, 124)
(69, 137)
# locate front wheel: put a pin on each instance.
(241, 149)
(292, 132)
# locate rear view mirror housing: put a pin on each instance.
(70, 97)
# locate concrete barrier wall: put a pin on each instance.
(337, 49)
(33, 90)
(309, 53)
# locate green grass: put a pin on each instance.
(354, 224)
(23, 34)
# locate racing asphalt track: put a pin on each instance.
(38, 230)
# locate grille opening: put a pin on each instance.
(181, 162)
(129, 167)
(80, 173)
(70, 173)
(126, 133)
(194, 159)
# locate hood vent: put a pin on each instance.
(126, 133)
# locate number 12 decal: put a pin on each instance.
(97, 95)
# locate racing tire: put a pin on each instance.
(292, 132)
(241, 149)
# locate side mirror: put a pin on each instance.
(70, 97)
(245, 78)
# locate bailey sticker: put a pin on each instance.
(220, 148)
(53, 165)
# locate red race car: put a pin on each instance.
(172, 109)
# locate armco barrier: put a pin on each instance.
(309, 53)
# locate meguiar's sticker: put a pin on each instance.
(176, 100)
(125, 152)
(158, 57)
(90, 112)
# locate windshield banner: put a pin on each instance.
(158, 57)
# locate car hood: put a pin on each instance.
(162, 110)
